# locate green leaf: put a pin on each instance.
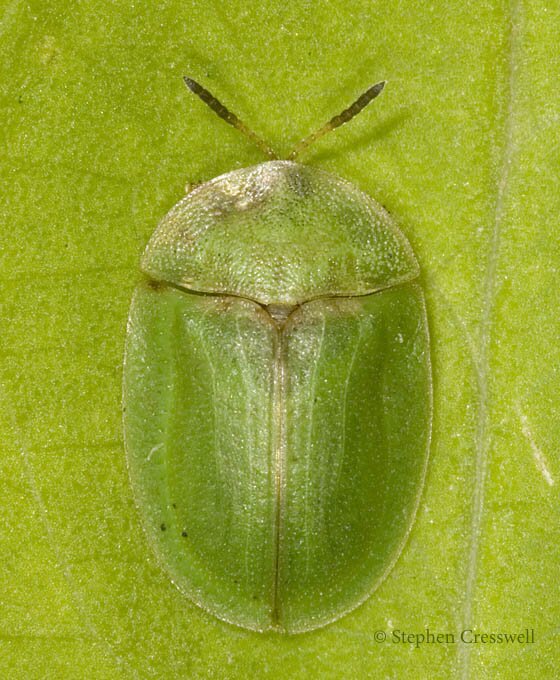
(100, 137)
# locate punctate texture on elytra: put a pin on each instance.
(277, 396)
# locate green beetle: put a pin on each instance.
(277, 391)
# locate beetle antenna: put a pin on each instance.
(218, 108)
(346, 115)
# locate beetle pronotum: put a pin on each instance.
(277, 390)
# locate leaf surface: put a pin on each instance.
(100, 137)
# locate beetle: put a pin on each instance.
(277, 390)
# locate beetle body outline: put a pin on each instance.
(277, 385)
